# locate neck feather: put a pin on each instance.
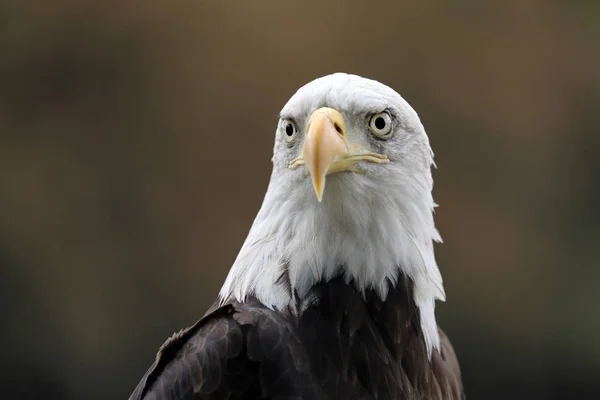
(367, 236)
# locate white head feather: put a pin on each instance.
(373, 225)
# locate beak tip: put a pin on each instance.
(318, 184)
(319, 193)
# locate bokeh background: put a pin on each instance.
(135, 144)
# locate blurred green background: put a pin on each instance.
(135, 145)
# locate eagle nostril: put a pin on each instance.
(338, 128)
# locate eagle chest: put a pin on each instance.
(328, 354)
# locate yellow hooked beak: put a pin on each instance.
(326, 149)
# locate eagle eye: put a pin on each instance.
(380, 124)
(290, 131)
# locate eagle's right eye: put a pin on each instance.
(289, 130)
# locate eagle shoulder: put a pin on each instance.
(446, 370)
(192, 363)
(237, 351)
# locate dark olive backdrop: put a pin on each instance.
(135, 139)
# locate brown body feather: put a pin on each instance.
(344, 346)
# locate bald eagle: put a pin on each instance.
(333, 292)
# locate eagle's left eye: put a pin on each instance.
(381, 125)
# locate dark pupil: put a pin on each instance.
(379, 123)
(289, 129)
